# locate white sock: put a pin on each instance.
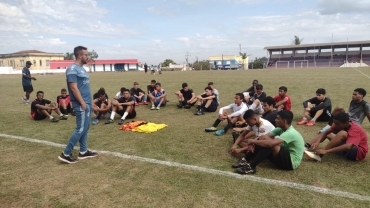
(51, 117)
(61, 114)
(83, 152)
(304, 118)
(327, 126)
(124, 115)
(314, 119)
(112, 115)
(253, 106)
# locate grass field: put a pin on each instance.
(32, 176)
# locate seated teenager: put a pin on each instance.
(350, 140)
(158, 97)
(238, 107)
(252, 89)
(255, 102)
(40, 111)
(214, 91)
(270, 112)
(283, 146)
(207, 102)
(150, 88)
(119, 94)
(357, 111)
(125, 107)
(101, 107)
(96, 95)
(64, 103)
(138, 94)
(318, 108)
(282, 100)
(256, 127)
(186, 97)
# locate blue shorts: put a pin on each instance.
(159, 100)
(350, 155)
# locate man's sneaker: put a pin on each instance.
(240, 163)
(324, 129)
(73, 113)
(96, 121)
(199, 112)
(88, 154)
(247, 169)
(187, 106)
(136, 104)
(54, 120)
(158, 107)
(312, 155)
(109, 121)
(68, 159)
(153, 107)
(63, 117)
(145, 103)
(210, 129)
(303, 121)
(310, 123)
(179, 105)
(120, 122)
(24, 99)
(220, 132)
(307, 146)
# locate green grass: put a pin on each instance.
(32, 176)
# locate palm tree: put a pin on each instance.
(297, 40)
(244, 56)
(69, 56)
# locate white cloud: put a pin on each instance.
(158, 41)
(160, 11)
(328, 7)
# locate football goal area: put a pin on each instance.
(301, 63)
(282, 64)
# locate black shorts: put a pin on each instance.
(185, 102)
(38, 116)
(129, 116)
(283, 160)
(211, 108)
(325, 116)
(28, 89)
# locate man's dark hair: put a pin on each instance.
(101, 91)
(184, 85)
(126, 90)
(259, 87)
(210, 83)
(153, 81)
(249, 114)
(361, 91)
(63, 90)
(208, 88)
(158, 84)
(240, 95)
(342, 117)
(255, 81)
(321, 91)
(123, 89)
(78, 49)
(283, 88)
(38, 92)
(286, 115)
(269, 101)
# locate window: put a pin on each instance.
(47, 62)
(1, 63)
(219, 63)
(11, 62)
(227, 62)
(34, 62)
(40, 62)
(22, 62)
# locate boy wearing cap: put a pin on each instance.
(26, 82)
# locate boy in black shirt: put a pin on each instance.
(125, 107)
(39, 111)
(138, 94)
(186, 97)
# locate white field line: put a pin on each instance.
(212, 171)
(362, 73)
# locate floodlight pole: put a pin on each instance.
(331, 51)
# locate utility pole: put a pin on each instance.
(240, 48)
(187, 55)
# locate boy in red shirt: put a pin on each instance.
(282, 100)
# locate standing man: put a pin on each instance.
(145, 68)
(26, 82)
(78, 83)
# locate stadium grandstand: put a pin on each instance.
(335, 54)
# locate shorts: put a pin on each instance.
(350, 155)
(37, 116)
(211, 108)
(157, 102)
(283, 160)
(28, 89)
(325, 116)
(129, 116)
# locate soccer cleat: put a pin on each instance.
(187, 106)
(88, 154)
(136, 104)
(310, 123)
(179, 105)
(158, 107)
(199, 112)
(210, 129)
(220, 132)
(324, 129)
(145, 103)
(63, 117)
(120, 122)
(24, 99)
(247, 169)
(96, 121)
(307, 146)
(302, 122)
(312, 155)
(240, 163)
(153, 107)
(54, 120)
(68, 159)
(109, 121)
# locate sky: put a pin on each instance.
(154, 30)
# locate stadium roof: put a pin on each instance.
(351, 44)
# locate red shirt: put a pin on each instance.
(357, 136)
(287, 104)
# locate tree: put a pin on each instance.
(201, 65)
(244, 56)
(69, 56)
(258, 63)
(297, 40)
(167, 62)
(92, 56)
